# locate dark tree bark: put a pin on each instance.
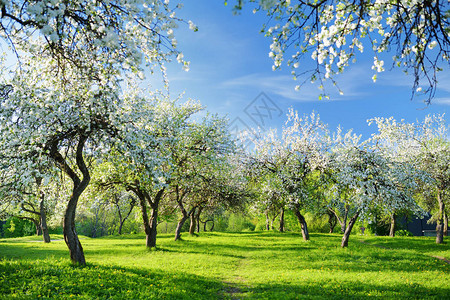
(43, 216)
(179, 226)
(348, 230)
(151, 238)
(185, 214)
(302, 221)
(392, 228)
(41, 222)
(332, 220)
(282, 219)
(79, 185)
(197, 219)
(206, 222)
(150, 223)
(122, 218)
(440, 220)
(267, 220)
(343, 221)
(273, 220)
(193, 223)
(69, 230)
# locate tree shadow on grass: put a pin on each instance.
(346, 290)
(421, 244)
(31, 251)
(60, 280)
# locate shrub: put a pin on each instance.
(403, 232)
(16, 227)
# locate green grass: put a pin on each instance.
(227, 266)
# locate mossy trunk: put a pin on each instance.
(348, 230)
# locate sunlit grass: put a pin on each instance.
(227, 265)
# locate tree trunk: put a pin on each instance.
(197, 219)
(440, 220)
(145, 220)
(332, 220)
(151, 237)
(69, 230)
(267, 220)
(344, 221)
(38, 229)
(122, 219)
(392, 229)
(273, 220)
(348, 230)
(44, 227)
(193, 223)
(179, 226)
(119, 232)
(302, 222)
(282, 219)
(185, 214)
(445, 224)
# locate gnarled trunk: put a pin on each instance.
(332, 220)
(179, 226)
(348, 230)
(440, 220)
(392, 228)
(343, 221)
(282, 219)
(43, 216)
(302, 221)
(69, 230)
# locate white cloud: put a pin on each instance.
(441, 101)
(284, 86)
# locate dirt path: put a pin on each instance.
(236, 288)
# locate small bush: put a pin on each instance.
(403, 232)
(16, 227)
(317, 223)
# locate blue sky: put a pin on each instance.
(230, 68)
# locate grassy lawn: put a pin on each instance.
(249, 265)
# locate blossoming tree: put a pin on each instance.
(289, 163)
(370, 181)
(333, 33)
(426, 145)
